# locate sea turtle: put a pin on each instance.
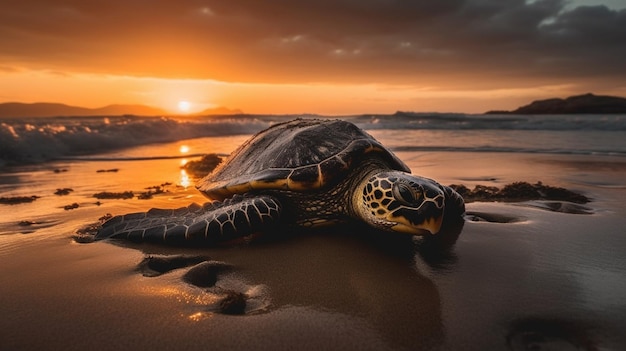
(305, 172)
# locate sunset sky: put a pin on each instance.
(313, 56)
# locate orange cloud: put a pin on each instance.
(345, 46)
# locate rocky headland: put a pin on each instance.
(587, 103)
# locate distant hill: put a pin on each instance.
(219, 111)
(587, 103)
(139, 110)
(45, 109)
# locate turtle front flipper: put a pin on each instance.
(210, 223)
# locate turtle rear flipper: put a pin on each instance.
(210, 223)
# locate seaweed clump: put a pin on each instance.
(113, 195)
(17, 199)
(203, 166)
(63, 191)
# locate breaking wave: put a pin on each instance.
(28, 140)
(42, 139)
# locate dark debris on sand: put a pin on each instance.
(71, 206)
(26, 223)
(112, 170)
(153, 190)
(518, 191)
(63, 191)
(144, 195)
(113, 195)
(17, 200)
(202, 167)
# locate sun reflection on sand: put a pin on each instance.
(184, 179)
(199, 300)
(198, 316)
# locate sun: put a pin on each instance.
(184, 106)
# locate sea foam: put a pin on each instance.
(42, 139)
(29, 140)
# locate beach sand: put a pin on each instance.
(543, 278)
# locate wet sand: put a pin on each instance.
(541, 278)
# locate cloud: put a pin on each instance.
(445, 43)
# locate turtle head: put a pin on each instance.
(401, 202)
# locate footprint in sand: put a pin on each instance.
(492, 217)
(553, 206)
(154, 266)
(538, 333)
(216, 278)
(559, 206)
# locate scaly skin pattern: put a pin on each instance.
(210, 223)
(402, 202)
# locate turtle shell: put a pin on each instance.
(300, 155)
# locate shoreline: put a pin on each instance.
(556, 275)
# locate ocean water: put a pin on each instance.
(37, 140)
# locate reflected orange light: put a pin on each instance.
(184, 180)
(183, 162)
(198, 316)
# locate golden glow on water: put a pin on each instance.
(183, 162)
(184, 179)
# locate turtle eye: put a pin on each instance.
(406, 194)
